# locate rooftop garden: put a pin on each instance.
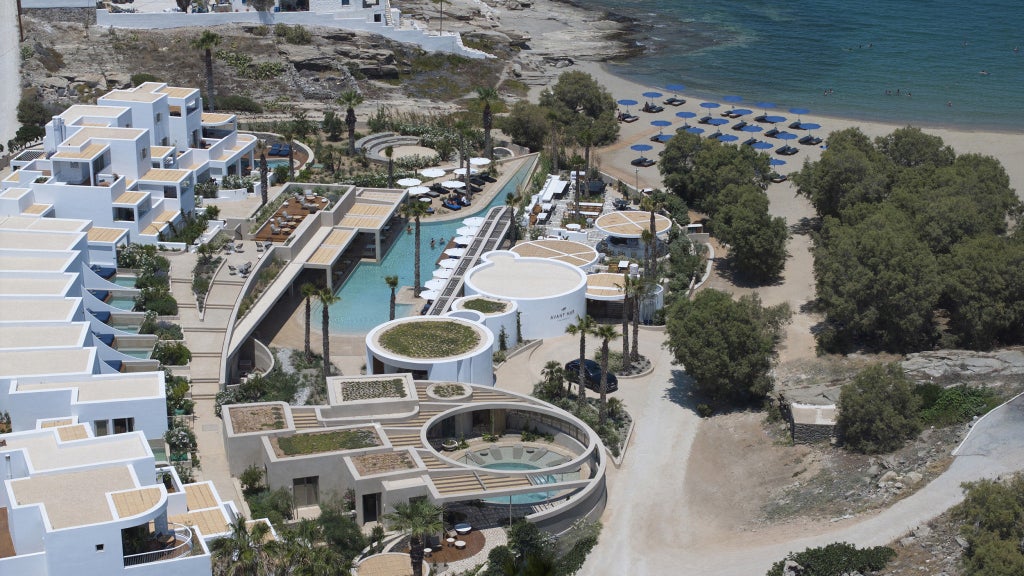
(448, 390)
(429, 339)
(380, 463)
(485, 306)
(373, 389)
(256, 418)
(333, 441)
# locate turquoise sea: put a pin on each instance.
(932, 51)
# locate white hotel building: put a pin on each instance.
(80, 488)
(131, 161)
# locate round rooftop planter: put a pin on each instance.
(450, 392)
(441, 348)
(496, 314)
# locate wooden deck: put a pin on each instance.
(6, 544)
(287, 219)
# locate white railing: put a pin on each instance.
(182, 548)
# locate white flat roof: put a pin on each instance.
(505, 275)
(631, 223)
(39, 239)
(575, 253)
(46, 450)
(101, 387)
(51, 224)
(37, 260)
(43, 334)
(36, 284)
(38, 309)
(74, 498)
(27, 362)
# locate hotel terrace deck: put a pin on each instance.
(287, 218)
(605, 286)
(575, 253)
(86, 504)
(631, 223)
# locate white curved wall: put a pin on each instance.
(494, 322)
(541, 315)
(473, 367)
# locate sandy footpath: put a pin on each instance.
(10, 71)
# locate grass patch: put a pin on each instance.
(448, 390)
(372, 389)
(327, 441)
(947, 406)
(429, 339)
(485, 306)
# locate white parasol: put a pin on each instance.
(443, 273)
(453, 184)
(474, 221)
(449, 263)
(463, 240)
(435, 284)
(432, 172)
(456, 252)
(429, 294)
(462, 171)
(479, 161)
(468, 231)
(406, 182)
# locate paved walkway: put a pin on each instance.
(204, 335)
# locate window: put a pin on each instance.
(124, 425)
(159, 117)
(164, 141)
(100, 426)
(144, 153)
(99, 547)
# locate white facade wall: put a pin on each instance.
(473, 367)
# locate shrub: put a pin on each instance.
(251, 479)
(161, 328)
(172, 353)
(878, 410)
(836, 559)
(274, 386)
(180, 439)
(177, 389)
(158, 300)
(238, 103)
(293, 34)
(274, 505)
(143, 77)
(328, 441)
(991, 518)
(947, 406)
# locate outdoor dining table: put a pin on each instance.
(460, 544)
(450, 541)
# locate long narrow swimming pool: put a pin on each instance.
(365, 297)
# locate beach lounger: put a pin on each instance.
(652, 108)
(538, 454)
(739, 125)
(810, 140)
(517, 452)
(750, 141)
(704, 120)
(476, 459)
(286, 150)
(275, 149)
(796, 126)
(673, 101)
(776, 177)
(772, 133)
(627, 117)
(787, 150)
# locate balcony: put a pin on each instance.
(175, 545)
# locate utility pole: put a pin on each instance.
(21, 29)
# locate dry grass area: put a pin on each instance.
(256, 418)
(380, 463)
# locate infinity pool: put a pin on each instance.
(365, 297)
(530, 498)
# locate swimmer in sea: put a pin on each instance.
(949, 104)
(983, 72)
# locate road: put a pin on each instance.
(648, 525)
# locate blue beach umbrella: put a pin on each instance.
(628, 102)
(774, 119)
(732, 99)
(740, 111)
(686, 114)
(651, 94)
(728, 138)
(675, 87)
(641, 147)
(786, 136)
(663, 138)
(694, 130)
(761, 145)
(777, 162)
(709, 105)
(751, 128)
(799, 111)
(765, 105)
(718, 121)
(809, 126)
(660, 123)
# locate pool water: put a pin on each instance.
(530, 498)
(122, 302)
(365, 297)
(126, 281)
(142, 353)
(131, 329)
(271, 164)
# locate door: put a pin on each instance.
(371, 507)
(306, 491)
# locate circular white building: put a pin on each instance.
(631, 224)
(499, 316)
(605, 296)
(432, 348)
(550, 294)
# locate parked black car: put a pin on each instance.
(592, 370)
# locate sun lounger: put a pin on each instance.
(627, 117)
(776, 177)
(787, 150)
(750, 141)
(517, 452)
(796, 126)
(286, 150)
(476, 459)
(652, 108)
(772, 133)
(673, 101)
(739, 125)
(275, 149)
(538, 454)
(704, 120)
(810, 140)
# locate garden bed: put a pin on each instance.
(370, 464)
(334, 441)
(430, 339)
(256, 418)
(485, 306)
(372, 389)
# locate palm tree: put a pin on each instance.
(464, 130)
(575, 163)
(417, 518)
(392, 282)
(605, 332)
(350, 99)
(245, 551)
(585, 137)
(487, 95)
(629, 287)
(264, 180)
(647, 239)
(327, 298)
(288, 134)
(641, 290)
(206, 42)
(309, 291)
(389, 152)
(512, 200)
(582, 327)
(414, 210)
(652, 206)
(554, 374)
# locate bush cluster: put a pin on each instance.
(293, 34)
(153, 279)
(172, 353)
(163, 329)
(837, 559)
(276, 385)
(991, 518)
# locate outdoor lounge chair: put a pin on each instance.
(704, 120)
(275, 149)
(674, 101)
(627, 117)
(739, 125)
(810, 140)
(538, 454)
(652, 108)
(772, 133)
